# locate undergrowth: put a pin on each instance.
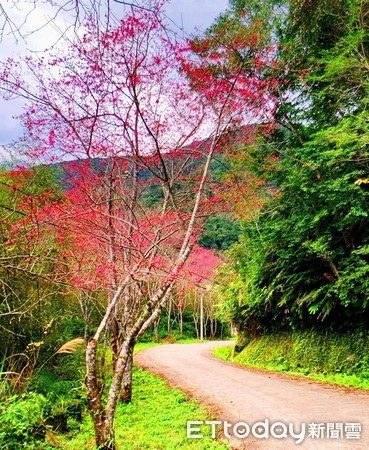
(156, 419)
(53, 413)
(325, 356)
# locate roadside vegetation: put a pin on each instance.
(156, 418)
(339, 358)
(295, 285)
(53, 413)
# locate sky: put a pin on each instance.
(192, 15)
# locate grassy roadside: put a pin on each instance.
(331, 358)
(143, 345)
(156, 419)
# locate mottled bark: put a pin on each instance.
(115, 390)
(156, 330)
(126, 394)
(93, 387)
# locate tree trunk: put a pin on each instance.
(104, 429)
(84, 303)
(181, 322)
(126, 395)
(114, 392)
(93, 387)
(156, 330)
(107, 445)
(169, 313)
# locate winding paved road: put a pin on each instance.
(237, 394)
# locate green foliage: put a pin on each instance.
(55, 403)
(26, 420)
(22, 422)
(188, 328)
(155, 419)
(327, 356)
(304, 259)
(219, 233)
(152, 195)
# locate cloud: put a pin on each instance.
(10, 127)
(41, 29)
(194, 14)
(31, 27)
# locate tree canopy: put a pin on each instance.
(303, 260)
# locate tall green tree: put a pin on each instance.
(304, 259)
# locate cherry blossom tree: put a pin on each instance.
(142, 116)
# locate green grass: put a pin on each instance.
(156, 419)
(328, 357)
(161, 413)
(143, 345)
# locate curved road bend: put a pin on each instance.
(238, 394)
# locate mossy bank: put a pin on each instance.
(327, 356)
